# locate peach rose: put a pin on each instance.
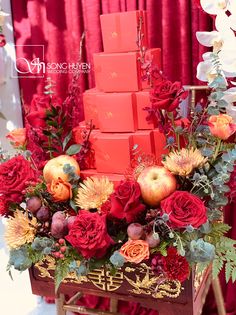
(60, 190)
(135, 251)
(17, 137)
(221, 126)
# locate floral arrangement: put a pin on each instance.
(168, 215)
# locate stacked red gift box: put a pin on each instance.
(116, 105)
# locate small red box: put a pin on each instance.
(159, 143)
(144, 142)
(115, 178)
(90, 106)
(112, 152)
(120, 31)
(121, 72)
(142, 101)
(117, 112)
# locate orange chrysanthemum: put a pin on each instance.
(93, 192)
(183, 162)
(20, 230)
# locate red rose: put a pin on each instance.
(125, 201)
(3, 206)
(42, 102)
(167, 95)
(2, 40)
(175, 267)
(37, 112)
(88, 234)
(14, 175)
(37, 119)
(184, 209)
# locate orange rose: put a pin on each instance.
(17, 137)
(221, 126)
(60, 190)
(135, 251)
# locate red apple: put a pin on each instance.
(156, 183)
(53, 169)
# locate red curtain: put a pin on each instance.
(58, 26)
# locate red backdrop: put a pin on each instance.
(58, 25)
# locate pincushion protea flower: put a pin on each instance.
(20, 230)
(93, 192)
(183, 162)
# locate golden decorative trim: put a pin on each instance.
(141, 279)
(198, 277)
(153, 285)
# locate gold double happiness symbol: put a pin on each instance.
(103, 280)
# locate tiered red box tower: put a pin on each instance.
(116, 105)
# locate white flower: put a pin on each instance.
(206, 71)
(214, 6)
(230, 98)
(227, 56)
(208, 38)
(230, 95)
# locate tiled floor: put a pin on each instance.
(15, 296)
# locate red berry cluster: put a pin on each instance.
(60, 249)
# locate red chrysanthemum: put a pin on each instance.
(175, 267)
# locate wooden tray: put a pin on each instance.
(131, 283)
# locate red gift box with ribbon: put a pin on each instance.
(112, 152)
(120, 31)
(143, 142)
(159, 144)
(142, 101)
(117, 112)
(90, 106)
(122, 72)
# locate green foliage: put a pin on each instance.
(66, 140)
(96, 264)
(117, 259)
(201, 251)
(20, 258)
(218, 229)
(161, 248)
(225, 256)
(73, 149)
(217, 265)
(39, 247)
(61, 271)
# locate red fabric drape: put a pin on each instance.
(58, 25)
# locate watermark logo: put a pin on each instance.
(36, 67)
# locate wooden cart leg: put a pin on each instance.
(113, 305)
(60, 300)
(218, 296)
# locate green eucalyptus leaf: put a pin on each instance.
(73, 149)
(66, 140)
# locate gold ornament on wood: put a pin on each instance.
(140, 280)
